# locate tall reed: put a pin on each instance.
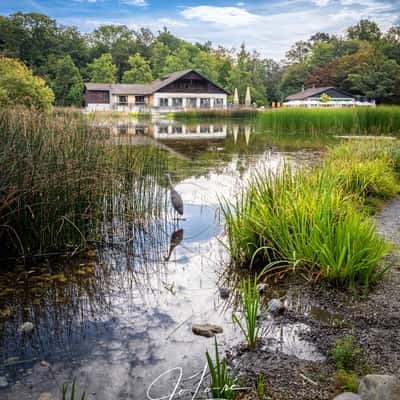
(338, 121)
(313, 220)
(59, 179)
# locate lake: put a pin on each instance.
(121, 316)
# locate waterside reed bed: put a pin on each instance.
(316, 221)
(59, 178)
(381, 120)
(215, 114)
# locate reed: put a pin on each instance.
(381, 120)
(60, 180)
(222, 382)
(250, 304)
(313, 221)
(216, 114)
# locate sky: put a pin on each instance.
(268, 26)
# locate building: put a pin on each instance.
(176, 91)
(312, 98)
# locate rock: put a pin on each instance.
(206, 330)
(3, 382)
(276, 307)
(44, 364)
(262, 288)
(26, 327)
(348, 396)
(45, 396)
(379, 387)
(224, 293)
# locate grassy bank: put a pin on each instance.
(317, 221)
(59, 182)
(215, 114)
(381, 120)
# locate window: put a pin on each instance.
(177, 102)
(139, 99)
(122, 99)
(218, 102)
(205, 103)
(163, 129)
(163, 102)
(178, 129)
(191, 102)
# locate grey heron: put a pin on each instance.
(176, 239)
(176, 198)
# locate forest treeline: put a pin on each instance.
(365, 61)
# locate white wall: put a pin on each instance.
(184, 96)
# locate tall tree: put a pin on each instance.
(139, 71)
(160, 52)
(365, 30)
(102, 69)
(66, 81)
(298, 52)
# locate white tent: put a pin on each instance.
(236, 97)
(247, 100)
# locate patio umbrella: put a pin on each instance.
(247, 132)
(236, 98)
(247, 100)
(235, 133)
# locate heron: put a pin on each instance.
(176, 198)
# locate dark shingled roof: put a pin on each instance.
(145, 89)
(313, 92)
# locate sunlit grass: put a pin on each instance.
(314, 221)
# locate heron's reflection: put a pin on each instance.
(176, 239)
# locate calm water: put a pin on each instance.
(117, 319)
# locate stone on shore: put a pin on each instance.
(348, 396)
(379, 387)
(276, 307)
(206, 330)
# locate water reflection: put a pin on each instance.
(117, 319)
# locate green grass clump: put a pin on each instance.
(381, 120)
(347, 381)
(346, 353)
(215, 114)
(222, 382)
(72, 395)
(312, 220)
(249, 303)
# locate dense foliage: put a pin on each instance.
(19, 86)
(364, 62)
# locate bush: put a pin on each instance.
(18, 85)
(312, 221)
(346, 353)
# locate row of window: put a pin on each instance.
(190, 102)
(124, 100)
(190, 129)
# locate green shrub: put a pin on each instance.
(347, 381)
(346, 353)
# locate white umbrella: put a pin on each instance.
(236, 98)
(247, 131)
(247, 100)
(235, 133)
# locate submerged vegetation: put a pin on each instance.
(60, 180)
(382, 120)
(316, 221)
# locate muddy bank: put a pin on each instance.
(325, 315)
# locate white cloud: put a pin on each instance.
(136, 3)
(240, 4)
(321, 3)
(226, 16)
(169, 22)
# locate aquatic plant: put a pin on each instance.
(249, 304)
(312, 220)
(71, 396)
(60, 180)
(222, 383)
(338, 121)
(215, 114)
(260, 387)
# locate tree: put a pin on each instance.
(139, 71)
(323, 76)
(178, 61)
(160, 52)
(298, 52)
(66, 81)
(322, 53)
(18, 85)
(325, 98)
(102, 70)
(365, 30)
(293, 79)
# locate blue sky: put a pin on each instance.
(269, 26)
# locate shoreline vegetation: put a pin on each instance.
(317, 222)
(61, 182)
